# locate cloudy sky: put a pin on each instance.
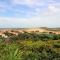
(29, 13)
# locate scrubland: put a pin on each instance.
(30, 46)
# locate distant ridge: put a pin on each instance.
(46, 28)
(51, 29)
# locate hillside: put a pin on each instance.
(41, 29)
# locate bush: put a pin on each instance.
(57, 45)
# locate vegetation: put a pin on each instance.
(36, 36)
(30, 46)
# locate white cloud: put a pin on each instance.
(35, 21)
(29, 3)
(36, 4)
(32, 14)
(51, 10)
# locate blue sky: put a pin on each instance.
(29, 13)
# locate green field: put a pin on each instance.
(23, 48)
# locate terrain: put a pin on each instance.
(29, 30)
(30, 44)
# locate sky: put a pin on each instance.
(29, 13)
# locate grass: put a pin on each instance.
(30, 46)
(30, 50)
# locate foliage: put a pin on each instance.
(8, 34)
(30, 50)
(37, 36)
(31, 46)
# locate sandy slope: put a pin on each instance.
(15, 31)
